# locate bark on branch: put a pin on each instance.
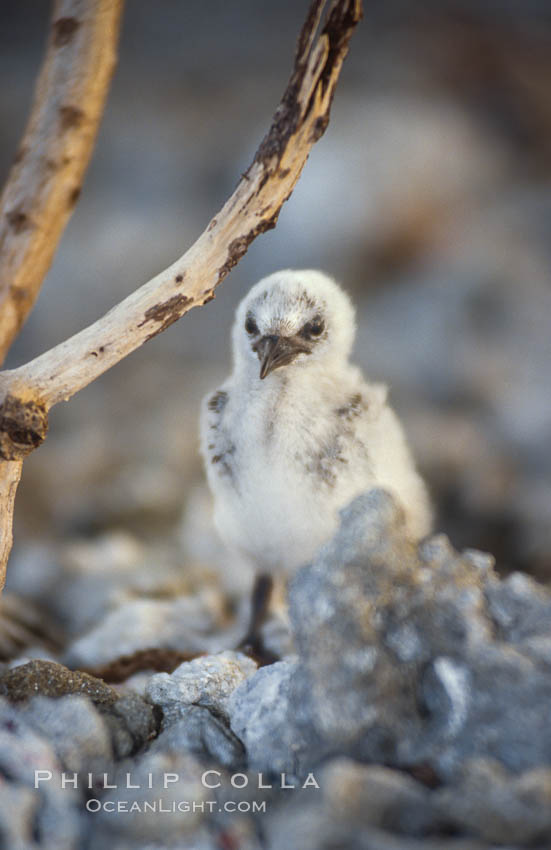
(46, 177)
(27, 393)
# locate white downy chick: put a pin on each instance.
(296, 432)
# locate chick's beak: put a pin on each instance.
(275, 351)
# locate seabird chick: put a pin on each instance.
(296, 432)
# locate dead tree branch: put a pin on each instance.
(46, 177)
(27, 393)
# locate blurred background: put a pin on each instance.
(429, 198)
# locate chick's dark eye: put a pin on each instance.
(313, 328)
(250, 325)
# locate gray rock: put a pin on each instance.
(370, 795)
(201, 838)
(74, 729)
(131, 722)
(165, 805)
(18, 810)
(264, 715)
(311, 827)
(202, 733)
(142, 624)
(422, 656)
(498, 807)
(22, 749)
(487, 705)
(208, 681)
(59, 820)
(48, 810)
(520, 607)
(84, 738)
(356, 684)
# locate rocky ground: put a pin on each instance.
(410, 708)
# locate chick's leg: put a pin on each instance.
(252, 643)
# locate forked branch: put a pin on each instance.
(27, 393)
